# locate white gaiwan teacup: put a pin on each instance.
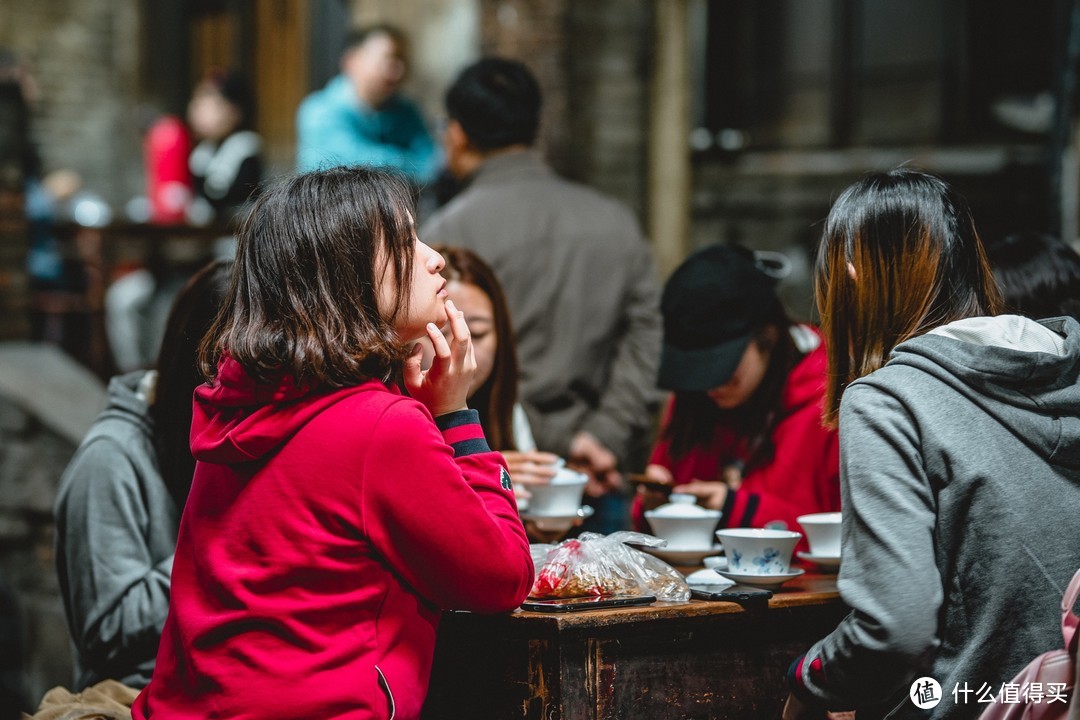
(559, 498)
(683, 523)
(752, 551)
(822, 532)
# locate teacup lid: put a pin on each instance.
(681, 505)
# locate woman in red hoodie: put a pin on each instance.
(743, 431)
(331, 518)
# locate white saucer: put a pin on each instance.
(558, 523)
(681, 556)
(825, 562)
(762, 580)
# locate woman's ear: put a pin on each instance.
(851, 271)
(462, 157)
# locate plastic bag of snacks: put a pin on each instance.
(595, 564)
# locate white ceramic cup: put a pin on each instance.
(559, 498)
(753, 551)
(683, 523)
(822, 532)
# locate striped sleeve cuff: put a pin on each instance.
(461, 430)
(796, 676)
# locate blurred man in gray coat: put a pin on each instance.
(579, 277)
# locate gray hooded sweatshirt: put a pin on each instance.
(116, 528)
(960, 473)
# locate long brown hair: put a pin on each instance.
(309, 263)
(494, 400)
(899, 256)
(178, 374)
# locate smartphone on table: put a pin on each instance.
(591, 602)
(730, 593)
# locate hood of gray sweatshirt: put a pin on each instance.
(960, 479)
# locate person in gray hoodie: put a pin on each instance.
(960, 462)
(118, 507)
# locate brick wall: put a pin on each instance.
(591, 59)
(84, 57)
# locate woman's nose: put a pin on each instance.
(436, 262)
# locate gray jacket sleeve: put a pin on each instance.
(888, 577)
(115, 595)
(630, 398)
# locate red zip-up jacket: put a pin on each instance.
(324, 532)
(803, 475)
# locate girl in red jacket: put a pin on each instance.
(743, 430)
(331, 518)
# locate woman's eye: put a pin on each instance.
(477, 337)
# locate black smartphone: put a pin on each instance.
(730, 593)
(591, 602)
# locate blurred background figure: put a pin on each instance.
(226, 164)
(120, 499)
(223, 172)
(53, 270)
(166, 148)
(472, 285)
(361, 118)
(743, 429)
(579, 277)
(1038, 274)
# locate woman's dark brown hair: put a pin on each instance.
(178, 374)
(899, 257)
(494, 400)
(309, 263)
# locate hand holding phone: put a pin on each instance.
(592, 602)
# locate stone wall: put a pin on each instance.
(591, 60)
(47, 403)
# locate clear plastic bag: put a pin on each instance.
(595, 564)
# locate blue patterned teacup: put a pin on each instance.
(752, 551)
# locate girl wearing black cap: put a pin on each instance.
(743, 430)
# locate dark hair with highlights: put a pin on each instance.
(304, 295)
(899, 256)
(494, 400)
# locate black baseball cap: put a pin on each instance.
(712, 305)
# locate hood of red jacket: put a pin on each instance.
(238, 419)
(806, 382)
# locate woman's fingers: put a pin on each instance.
(542, 458)
(659, 473)
(438, 344)
(461, 346)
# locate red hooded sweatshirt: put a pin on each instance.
(803, 475)
(324, 532)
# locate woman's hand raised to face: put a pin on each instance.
(443, 387)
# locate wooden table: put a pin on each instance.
(666, 660)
